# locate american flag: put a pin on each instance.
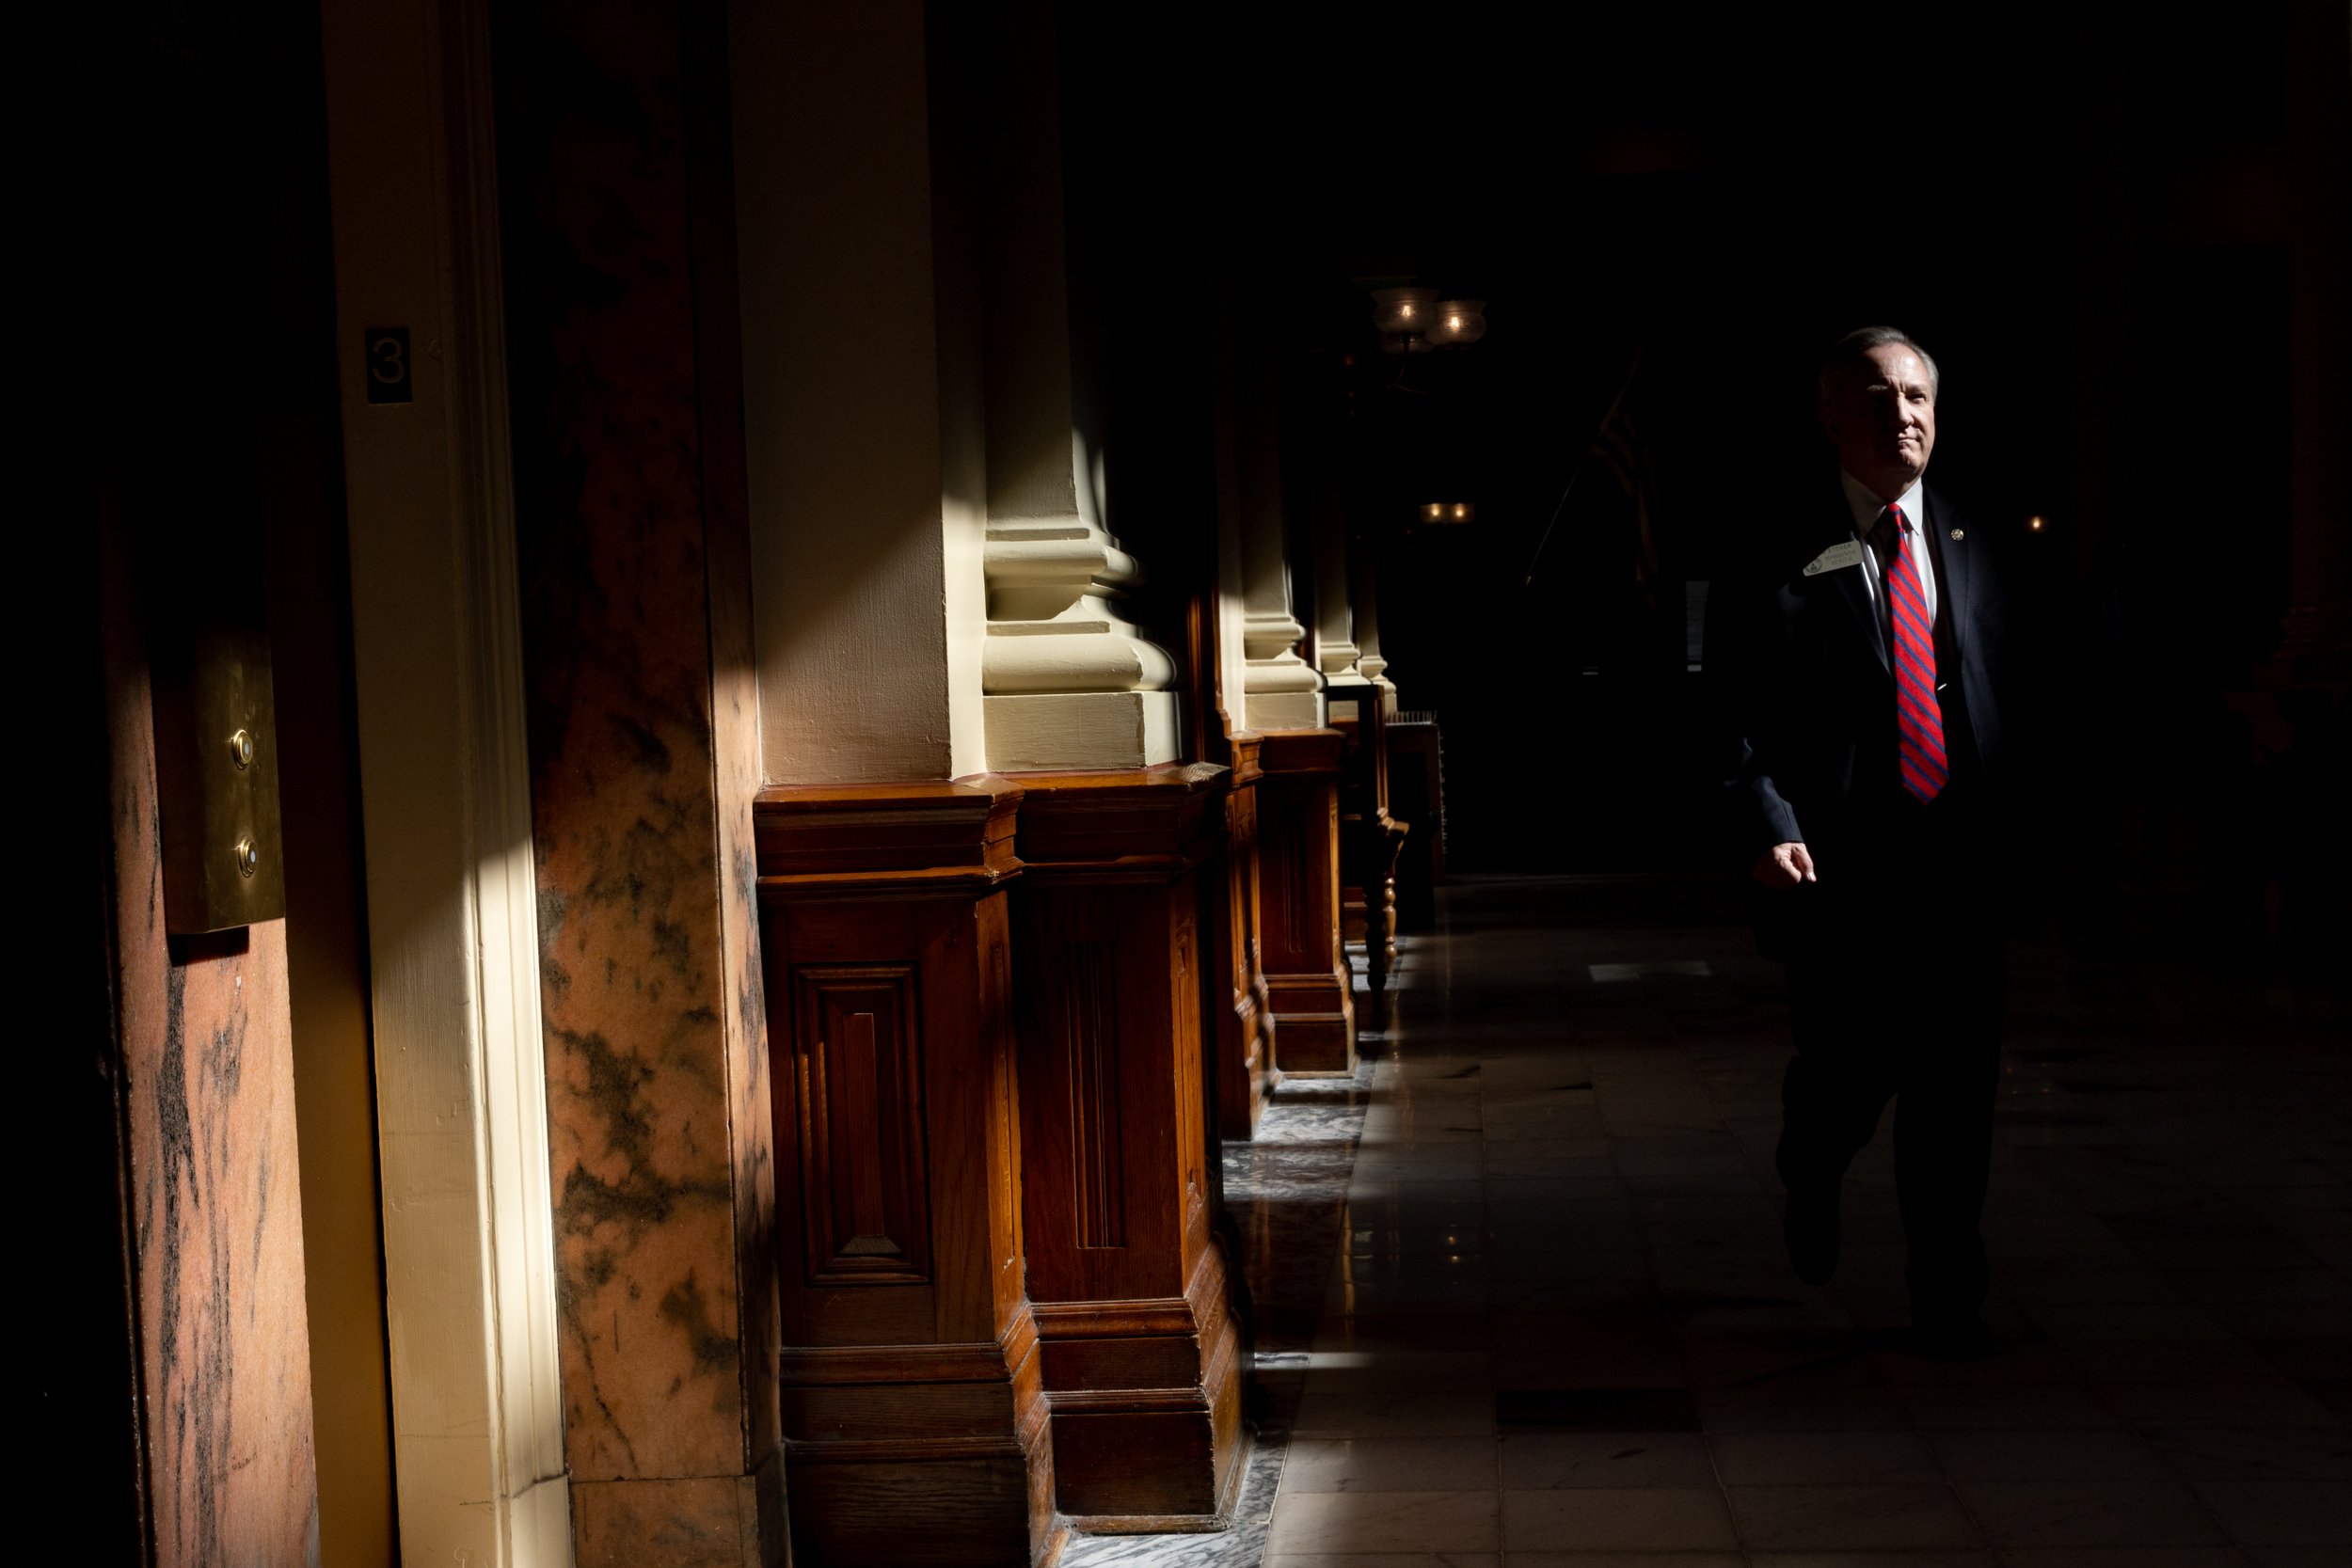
(1619, 448)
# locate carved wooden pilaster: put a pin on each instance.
(914, 1408)
(1242, 1022)
(1306, 973)
(1370, 838)
(1144, 1350)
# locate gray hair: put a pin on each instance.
(1855, 346)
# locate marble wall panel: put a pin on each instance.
(645, 760)
(215, 1189)
(735, 729)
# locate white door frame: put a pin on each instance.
(461, 1089)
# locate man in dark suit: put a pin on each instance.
(1869, 703)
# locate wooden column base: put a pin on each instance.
(931, 1455)
(1147, 1400)
(1144, 1349)
(1307, 977)
(915, 1413)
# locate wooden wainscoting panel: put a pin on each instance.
(1087, 1023)
(858, 1065)
(913, 1390)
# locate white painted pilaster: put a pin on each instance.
(453, 932)
(1283, 690)
(866, 510)
(1071, 682)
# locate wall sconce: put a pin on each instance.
(1457, 321)
(1404, 310)
(1415, 320)
(1448, 512)
(2037, 524)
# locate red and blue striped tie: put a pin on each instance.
(1918, 715)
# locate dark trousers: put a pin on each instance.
(1898, 996)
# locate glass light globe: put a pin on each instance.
(1457, 321)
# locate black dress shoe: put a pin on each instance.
(1809, 1225)
(1952, 1335)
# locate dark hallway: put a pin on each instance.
(1023, 784)
(1563, 1334)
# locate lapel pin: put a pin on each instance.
(1959, 533)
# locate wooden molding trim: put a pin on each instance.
(1129, 1401)
(849, 838)
(1059, 1320)
(1113, 1320)
(847, 1365)
(1292, 751)
(1155, 822)
(884, 1451)
(1248, 747)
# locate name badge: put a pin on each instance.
(1847, 554)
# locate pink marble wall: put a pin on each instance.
(207, 1078)
(645, 760)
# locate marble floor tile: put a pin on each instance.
(2255, 1454)
(2093, 1454)
(1390, 1464)
(1622, 1519)
(2129, 1360)
(1834, 1357)
(1555, 1409)
(2126, 1557)
(1847, 1517)
(1331, 1522)
(1544, 1460)
(2019, 1513)
(1800, 1409)
(1420, 1327)
(2282, 1513)
(2129, 1286)
(1809, 1458)
(1998, 1407)
(2250, 1404)
(2212, 1285)
(1405, 1413)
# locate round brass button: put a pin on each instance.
(241, 749)
(248, 857)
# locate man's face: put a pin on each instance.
(1880, 415)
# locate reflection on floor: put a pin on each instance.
(1562, 1333)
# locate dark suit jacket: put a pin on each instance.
(1812, 702)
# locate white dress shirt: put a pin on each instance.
(1865, 506)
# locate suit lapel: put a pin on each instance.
(1956, 578)
(1847, 585)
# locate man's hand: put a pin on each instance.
(1784, 866)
